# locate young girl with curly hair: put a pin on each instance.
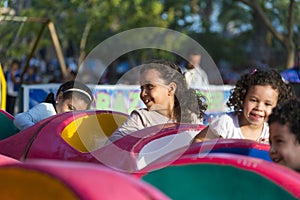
(166, 97)
(252, 100)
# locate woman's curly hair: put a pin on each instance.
(187, 101)
(288, 114)
(259, 77)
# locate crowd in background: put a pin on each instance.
(40, 71)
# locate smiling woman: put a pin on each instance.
(167, 98)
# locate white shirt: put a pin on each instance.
(34, 115)
(196, 77)
(227, 126)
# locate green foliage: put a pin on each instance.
(109, 17)
(220, 48)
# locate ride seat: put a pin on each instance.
(90, 132)
(7, 125)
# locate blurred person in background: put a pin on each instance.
(31, 76)
(195, 76)
(12, 85)
(292, 76)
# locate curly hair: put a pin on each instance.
(288, 114)
(187, 101)
(258, 77)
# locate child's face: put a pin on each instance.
(285, 149)
(154, 93)
(71, 104)
(258, 104)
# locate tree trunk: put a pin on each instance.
(260, 50)
(286, 40)
(290, 60)
(83, 41)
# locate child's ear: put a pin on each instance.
(59, 97)
(173, 87)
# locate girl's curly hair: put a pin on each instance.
(288, 114)
(259, 77)
(187, 101)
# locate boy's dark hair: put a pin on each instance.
(187, 101)
(15, 61)
(288, 114)
(67, 88)
(259, 77)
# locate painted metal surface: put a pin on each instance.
(44, 139)
(224, 176)
(137, 150)
(49, 179)
(2, 89)
(7, 126)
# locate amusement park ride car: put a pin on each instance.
(69, 153)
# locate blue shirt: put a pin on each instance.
(291, 75)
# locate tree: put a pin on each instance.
(115, 16)
(286, 38)
(81, 25)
